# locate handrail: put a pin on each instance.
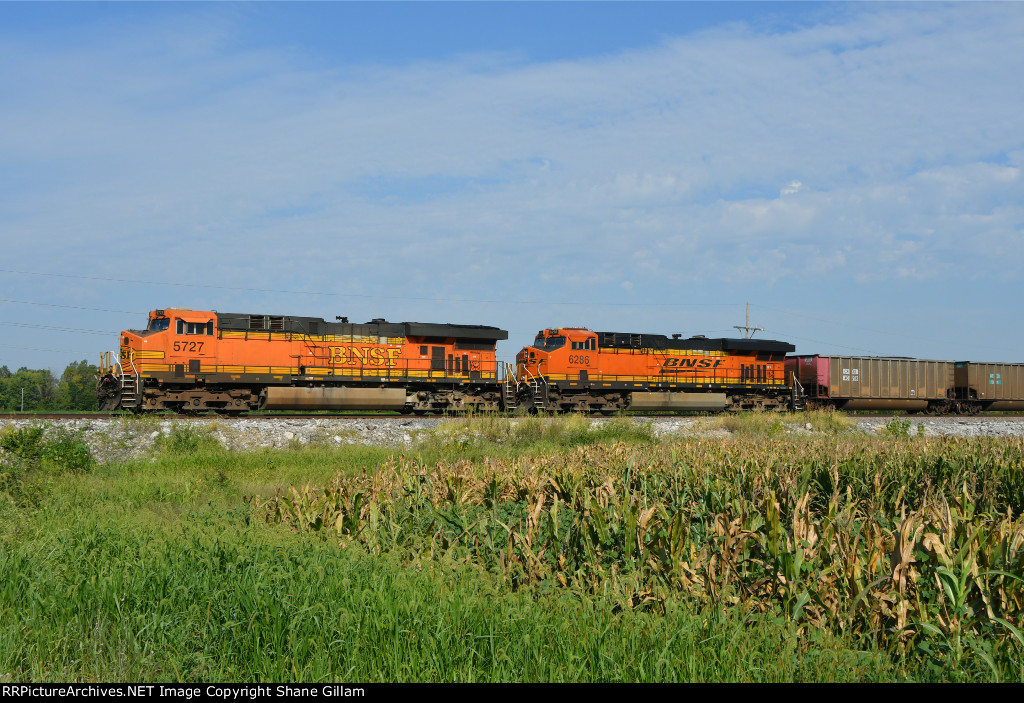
(799, 397)
(131, 361)
(509, 374)
(535, 378)
(797, 386)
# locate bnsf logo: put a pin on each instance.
(692, 363)
(366, 356)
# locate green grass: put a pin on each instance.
(774, 424)
(219, 599)
(161, 569)
(474, 437)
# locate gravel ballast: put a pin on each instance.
(122, 438)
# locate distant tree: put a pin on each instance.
(77, 387)
(36, 389)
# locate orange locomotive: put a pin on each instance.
(571, 368)
(189, 360)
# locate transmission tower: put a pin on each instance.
(747, 330)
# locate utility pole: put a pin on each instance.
(23, 399)
(747, 330)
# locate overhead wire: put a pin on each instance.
(422, 298)
(898, 335)
(52, 328)
(363, 295)
(42, 349)
(72, 307)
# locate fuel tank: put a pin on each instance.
(295, 398)
(677, 401)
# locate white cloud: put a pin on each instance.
(894, 132)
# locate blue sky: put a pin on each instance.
(853, 170)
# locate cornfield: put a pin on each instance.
(912, 544)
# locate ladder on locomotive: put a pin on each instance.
(130, 385)
(538, 390)
(509, 388)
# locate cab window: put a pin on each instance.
(205, 328)
(549, 343)
(159, 324)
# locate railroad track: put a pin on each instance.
(396, 417)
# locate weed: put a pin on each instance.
(185, 439)
(897, 427)
(60, 449)
(25, 443)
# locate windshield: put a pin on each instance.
(549, 343)
(159, 324)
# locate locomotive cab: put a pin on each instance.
(182, 338)
(174, 345)
(571, 349)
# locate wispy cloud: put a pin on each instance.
(865, 149)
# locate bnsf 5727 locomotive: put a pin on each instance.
(189, 360)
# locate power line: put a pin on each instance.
(787, 336)
(72, 307)
(367, 296)
(51, 328)
(899, 335)
(56, 351)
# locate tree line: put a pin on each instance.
(35, 390)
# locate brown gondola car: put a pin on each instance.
(190, 360)
(988, 386)
(874, 383)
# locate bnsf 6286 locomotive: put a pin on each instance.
(572, 368)
(188, 360)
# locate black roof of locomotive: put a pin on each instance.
(626, 340)
(373, 328)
